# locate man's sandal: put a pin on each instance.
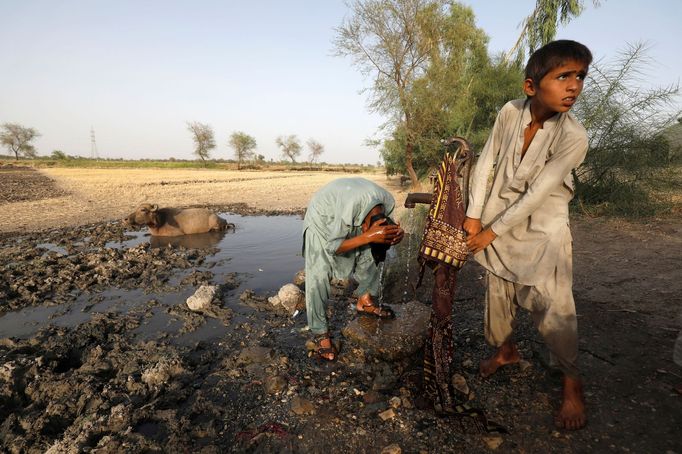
(322, 352)
(379, 311)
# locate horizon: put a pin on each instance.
(136, 74)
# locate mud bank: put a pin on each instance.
(157, 377)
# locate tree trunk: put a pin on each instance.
(409, 147)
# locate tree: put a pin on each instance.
(459, 93)
(316, 149)
(540, 26)
(629, 157)
(60, 155)
(243, 145)
(385, 40)
(204, 142)
(18, 139)
(290, 146)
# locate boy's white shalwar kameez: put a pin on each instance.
(526, 204)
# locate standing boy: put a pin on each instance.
(519, 230)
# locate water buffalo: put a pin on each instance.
(177, 221)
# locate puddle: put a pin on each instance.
(53, 248)
(264, 251)
(267, 248)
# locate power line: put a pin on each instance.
(93, 144)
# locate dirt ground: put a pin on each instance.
(95, 388)
(70, 197)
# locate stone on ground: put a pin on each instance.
(255, 354)
(299, 278)
(392, 449)
(290, 297)
(391, 339)
(203, 298)
(301, 406)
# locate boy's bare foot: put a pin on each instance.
(507, 353)
(572, 412)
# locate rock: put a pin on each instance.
(395, 402)
(299, 278)
(371, 397)
(203, 298)
(388, 414)
(231, 281)
(310, 345)
(460, 384)
(119, 419)
(290, 297)
(373, 409)
(161, 372)
(493, 442)
(7, 371)
(524, 365)
(385, 379)
(274, 384)
(392, 339)
(301, 406)
(255, 355)
(392, 449)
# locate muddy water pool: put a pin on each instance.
(262, 252)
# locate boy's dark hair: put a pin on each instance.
(554, 54)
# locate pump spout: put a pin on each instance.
(417, 197)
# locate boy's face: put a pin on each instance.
(559, 89)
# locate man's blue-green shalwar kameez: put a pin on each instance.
(335, 214)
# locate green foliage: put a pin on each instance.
(467, 107)
(58, 154)
(17, 139)
(432, 76)
(541, 25)
(243, 146)
(204, 141)
(629, 153)
(393, 41)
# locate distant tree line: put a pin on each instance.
(17, 139)
(244, 145)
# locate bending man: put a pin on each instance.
(346, 231)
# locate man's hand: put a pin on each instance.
(472, 226)
(384, 233)
(480, 241)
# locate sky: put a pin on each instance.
(135, 72)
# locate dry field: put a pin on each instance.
(71, 197)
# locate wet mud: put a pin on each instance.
(99, 353)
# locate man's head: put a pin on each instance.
(555, 74)
(374, 215)
(377, 215)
